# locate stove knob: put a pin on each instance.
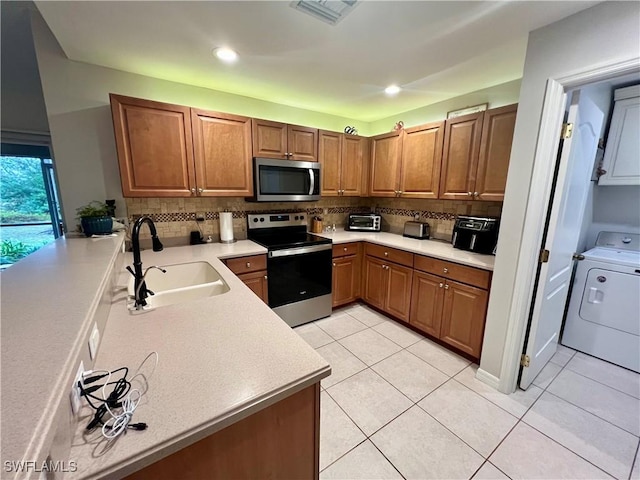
(255, 220)
(296, 217)
(262, 219)
(301, 217)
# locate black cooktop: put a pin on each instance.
(280, 240)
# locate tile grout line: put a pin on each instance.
(635, 460)
(597, 381)
(521, 420)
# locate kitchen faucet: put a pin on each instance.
(140, 288)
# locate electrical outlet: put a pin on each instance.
(74, 395)
(94, 341)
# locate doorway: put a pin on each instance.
(29, 201)
(537, 208)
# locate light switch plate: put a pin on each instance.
(74, 394)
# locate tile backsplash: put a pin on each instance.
(175, 218)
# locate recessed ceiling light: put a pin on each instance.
(392, 90)
(225, 54)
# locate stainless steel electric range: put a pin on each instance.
(298, 266)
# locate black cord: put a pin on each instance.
(114, 399)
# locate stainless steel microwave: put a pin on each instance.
(366, 222)
(285, 180)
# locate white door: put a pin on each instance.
(567, 209)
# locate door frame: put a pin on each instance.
(538, 203)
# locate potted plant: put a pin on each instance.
(95, 219)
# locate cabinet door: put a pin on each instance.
(344, 280)
(421, 161)
(620, 164)
(269, 139)
(463, 317)
(353, 149)
(460, 156)
(375, 277)
(302, 143)
(329, 156)
(385, 165)
(222, 151)
(155, 149)
(495, 151)
(257, 281)
(426, 303)
(398, 301)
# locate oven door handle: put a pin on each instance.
(312, 181)
(300, 250)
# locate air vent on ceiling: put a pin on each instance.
(329, 11)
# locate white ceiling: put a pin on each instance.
(435, 50)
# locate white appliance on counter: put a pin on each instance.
(603, 319)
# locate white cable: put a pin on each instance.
(118, 423)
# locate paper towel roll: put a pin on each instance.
(226, 227)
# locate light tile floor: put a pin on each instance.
(400, 406)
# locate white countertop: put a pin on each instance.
(431, 248)
(221, 359)
(48, 300)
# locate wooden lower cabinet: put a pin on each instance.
(280, 441)
(388, 287)
(257, 281)
(345, 278)
(426, 303)
(448, 310)
(463, 315)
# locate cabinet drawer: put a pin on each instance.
(455, 271)
(247, 264)
(390, 254)
(345, 249)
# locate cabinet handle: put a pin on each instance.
(441, 285)
(334, 264)
(475, 194)
(445, 270)
(446, 287)
(345, 249)
(399, 192)
(386, 254)
(193, 190)
(200, 190)
(248, 264)
(265, 277)
(470, 194)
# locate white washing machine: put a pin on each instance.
(603, 319)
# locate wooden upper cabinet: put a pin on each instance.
(154, 145)
(495, 151)
(385, 165)
(302, 143)
(269, 139)
(352, 168)
(222, 152)
(421, 161)
(330, 157)
(341, 157)
(280, 140)
(460, 156)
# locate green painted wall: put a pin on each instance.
(496, 96)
